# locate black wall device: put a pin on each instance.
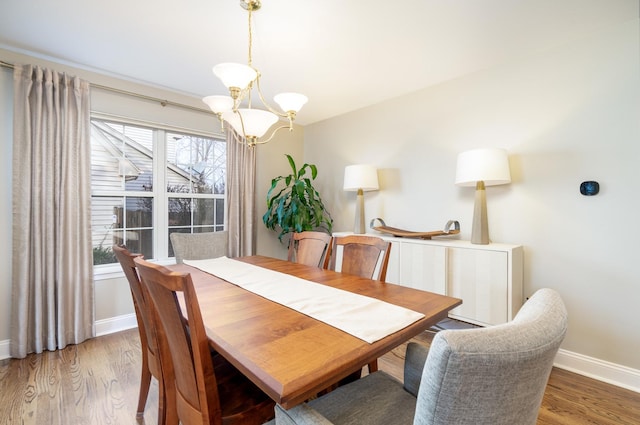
(589, 188)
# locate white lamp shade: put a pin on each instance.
(219, 104)
(256, 121)
(290, 101)
(235, 74)
(490, 165)
(360, 176)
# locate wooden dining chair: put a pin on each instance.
(148, 342)
(208, 389)
(362, 256)
(309, 248)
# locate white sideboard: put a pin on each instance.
(488, 278)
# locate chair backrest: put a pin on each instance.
(309, 248)
(140, 302)
(361, 256)
(184, 347)
(494, 375)
(199, 246)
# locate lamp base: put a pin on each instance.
(480, 228)
(359, 220)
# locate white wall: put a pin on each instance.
(567, 115)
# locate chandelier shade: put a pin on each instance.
(290, 101)
(235, 74)
(253, 123)
(219, 104)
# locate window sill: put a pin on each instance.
(114, 271)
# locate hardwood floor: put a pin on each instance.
(97, 383)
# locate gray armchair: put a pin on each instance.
(494, 375)
(199, 246)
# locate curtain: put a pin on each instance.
(241, 208)
(52, 295)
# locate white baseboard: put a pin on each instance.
(103, 327)
(611, 373)
(600, 370)
(116, 324)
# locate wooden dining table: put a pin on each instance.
(289, 355)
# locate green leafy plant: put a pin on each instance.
(102, 255)
(296, 206)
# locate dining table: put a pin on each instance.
(290, 355)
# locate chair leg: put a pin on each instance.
(145, 382)
(373, 366)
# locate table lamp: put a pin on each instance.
(480, 168)
(360, 178)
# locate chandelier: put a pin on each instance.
(241, 79)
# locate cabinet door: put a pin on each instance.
(422, 267)
(480, 279)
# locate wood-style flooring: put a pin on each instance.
(97, 383)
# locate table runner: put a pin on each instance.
(364, 317)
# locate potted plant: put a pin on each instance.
(296, 206)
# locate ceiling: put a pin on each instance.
(343, 54)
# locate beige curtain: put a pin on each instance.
(52, 297)
(241, 208)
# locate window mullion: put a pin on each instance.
(161, 222)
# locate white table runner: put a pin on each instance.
(363, 317)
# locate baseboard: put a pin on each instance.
(611, 373)
(103, 327)
(116, 324)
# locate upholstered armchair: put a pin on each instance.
(494, 375)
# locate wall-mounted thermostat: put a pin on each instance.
(589, 188)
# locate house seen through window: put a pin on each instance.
(150, 182)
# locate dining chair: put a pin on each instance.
(361, 256)
(208, 389)
(199, 246)
(484, 376)
(150, 357)
(309, 248)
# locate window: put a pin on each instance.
(148, 182)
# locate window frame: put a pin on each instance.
(159, 194)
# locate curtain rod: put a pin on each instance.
(162, 102)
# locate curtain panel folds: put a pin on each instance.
(53, 292)
(241, 183)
